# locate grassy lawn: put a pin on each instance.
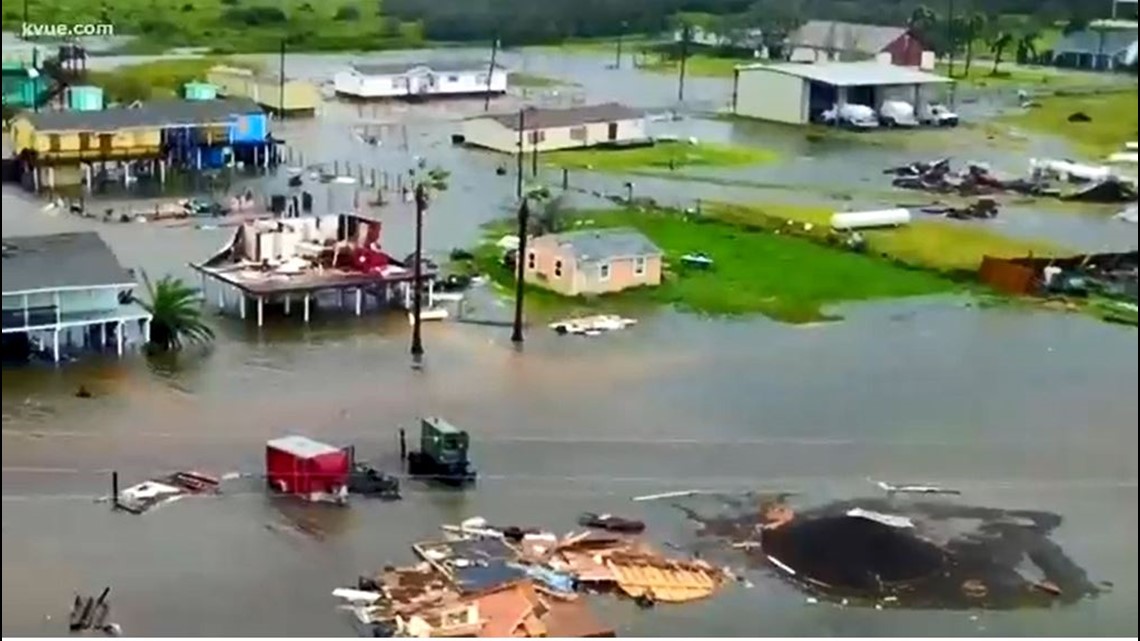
(232, 26)
(663, 155)
(1027, 77)
(697, 65)
(535, 81)
(1113, 120)
(595, 46)
(756, 271)
(158, 79)
(928, 244)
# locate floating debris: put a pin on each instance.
(592, 325)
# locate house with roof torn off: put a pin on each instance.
(593, 261)
(542, 130)
(420, 80)
(834, 41)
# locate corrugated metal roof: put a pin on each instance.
(536, 118)
(148, 114)
(301, 446)
(591, 245)
(54, 261)
(442, 66)
(851, 74)
(845, 36)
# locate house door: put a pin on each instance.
(611, 134)
(105, 143)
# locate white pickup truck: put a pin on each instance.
(938, 115)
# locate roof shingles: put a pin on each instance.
(57, 261)
(148, 114)
(592, 245)
(569, 117)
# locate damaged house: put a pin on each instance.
(275, 262)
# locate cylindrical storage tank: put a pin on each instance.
(200, 91)
(85, 98)
(850, 220)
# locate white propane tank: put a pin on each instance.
(850, 220)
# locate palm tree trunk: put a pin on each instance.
(969, 56)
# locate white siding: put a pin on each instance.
(770, 95)
(489, 133)
(420, 81)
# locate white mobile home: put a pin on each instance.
(554, 129)
(797, 93)
(420, 80)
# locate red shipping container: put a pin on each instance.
(310, 469)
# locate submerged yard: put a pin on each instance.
(663, 155)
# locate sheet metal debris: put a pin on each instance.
(150, 494)
(1045, 177)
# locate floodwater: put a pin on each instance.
(1019, 409)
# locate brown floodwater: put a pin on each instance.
(1019, 409)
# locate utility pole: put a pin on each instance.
(950, 37)
(520, 272)
(534, 158)
(491, 73)
(684, 59)
(26, 14)
(621, 34)
(519, 158)
(418, 274)
(281, 83)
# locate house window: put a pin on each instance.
(453, 78)
(530, 260)
(558, 269)
(604, 271)
(537, 137)
(84, 141)
(578, 133)
(639, 266)
(53, 142)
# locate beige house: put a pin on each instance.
(554, 129)
(301, 97)
(593, 261)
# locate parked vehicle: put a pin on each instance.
(443, 454)
(938, 115)
(850, 115)
(897, 113)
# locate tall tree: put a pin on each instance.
(972, 27)
(1000, 42)
(1027, 46)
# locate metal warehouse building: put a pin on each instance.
(798, 93)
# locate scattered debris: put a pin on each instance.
(1129, 214)
(666, 495)
(592, 325)
(611, 523)
(150, 494)
(491, 581)
(915, 489)
(698, 260)
(90, 613)
(976, 179)
(946, 556)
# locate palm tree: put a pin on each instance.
(1027, 46)
(176, 314)
(1001, 41)
(972, 27)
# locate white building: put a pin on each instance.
(554, 129)
(797, 93)
(419, 80)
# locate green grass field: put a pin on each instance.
(535, 81)
(661, 156)
(756, 271)
(698, 65)
(232, 26)
(158, 79)
(1113, 120)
